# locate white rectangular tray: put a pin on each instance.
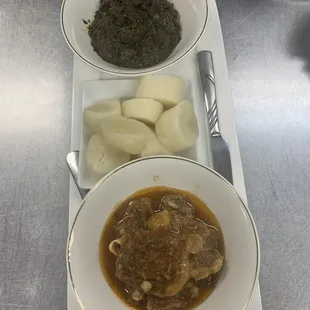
(212, 40)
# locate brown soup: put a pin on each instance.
(170, 254)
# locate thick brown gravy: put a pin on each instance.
(107, 259)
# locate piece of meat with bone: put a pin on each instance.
(179, 275)
(209, 234)
(205, 263)
(177, 203)
(135, 217)
(157, 257)
(141, 207)
(159, 220)
(161, 255)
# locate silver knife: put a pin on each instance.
(219, 146)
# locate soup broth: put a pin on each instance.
(155, 292)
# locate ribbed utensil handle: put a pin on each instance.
(206, 68)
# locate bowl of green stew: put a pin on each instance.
(132, 37)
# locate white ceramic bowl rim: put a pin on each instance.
(243, 205)
(141, 71)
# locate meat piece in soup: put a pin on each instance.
(137, 213)
(167, 250)
(177, 203)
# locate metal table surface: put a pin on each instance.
(268, 51)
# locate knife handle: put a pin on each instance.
(206, 69)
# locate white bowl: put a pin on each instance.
(193, 16)
(236, 284)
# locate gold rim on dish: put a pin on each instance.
(244, 206)
(144, 71)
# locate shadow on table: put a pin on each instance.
(298, 44)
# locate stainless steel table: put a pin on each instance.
(268, 51)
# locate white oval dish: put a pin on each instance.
(193, 16)
(236, 284)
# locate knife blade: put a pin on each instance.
(72, 160)
(219, 146)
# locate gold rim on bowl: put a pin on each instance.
(243, 205)
(141, 71)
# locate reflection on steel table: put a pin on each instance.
(268, 52)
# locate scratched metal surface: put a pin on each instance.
(35, 116)
(268, 52)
